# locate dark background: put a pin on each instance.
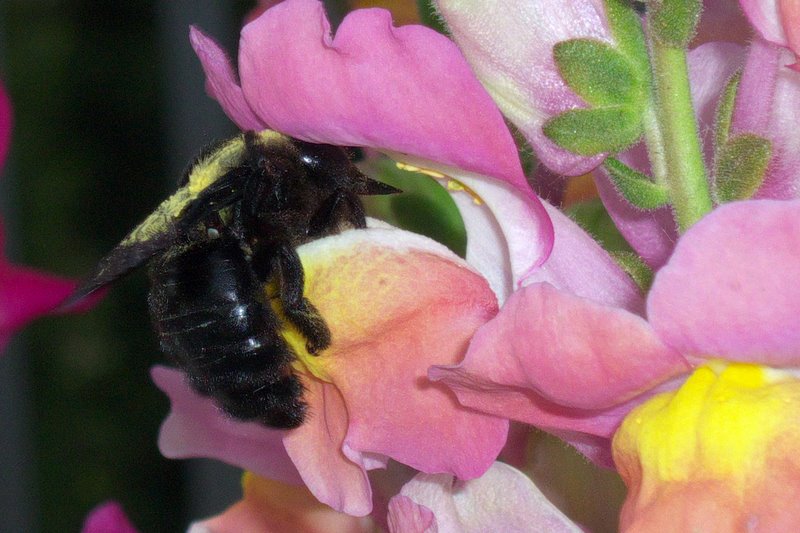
(109, 105)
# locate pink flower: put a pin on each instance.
(576, 366)
(407, 92)
(108, 517)
(25, 294)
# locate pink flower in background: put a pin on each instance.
(108, 517)
(25, 293)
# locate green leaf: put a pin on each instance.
(597, 72)
(626, 27)
(593, 131)
(592, 216)
(423, 207)
(724, 113)
(633, 265)
(741, 165)
(673, 22)
(636, 187)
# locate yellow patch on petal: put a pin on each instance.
(725, 436)
(305, 362)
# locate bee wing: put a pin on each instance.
(178, 213)
(155, 234)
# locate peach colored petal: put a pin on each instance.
(334, 477)
(406, 516)
(413, 304)
(269, 506)
(719, 454)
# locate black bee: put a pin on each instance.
(214, 246)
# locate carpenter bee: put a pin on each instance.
(231, 229)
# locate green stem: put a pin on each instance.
(685, 169)
(654, 140)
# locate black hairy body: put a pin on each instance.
(213, 252)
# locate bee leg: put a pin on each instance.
(341, 206)
(299, 311)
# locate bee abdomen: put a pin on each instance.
(211, 320)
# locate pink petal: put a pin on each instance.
(197, 428)
(412, 304)
(766, 95)
(764, 16)
(334, 477)
(510, 48)
(730, 289)
(578, 265)
(509, 233)
(221, 82)
(561, 363)
(503, 499)
(108, 517)
(722, 20)
(652, 234)
(754, 98)
(570, 350)
(783, 177)
(26, 294)
(402, 89)
(6, 119)
(406, 516)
